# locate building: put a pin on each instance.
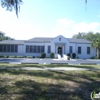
(58, 45)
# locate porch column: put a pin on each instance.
(56, 49)
(63, 50)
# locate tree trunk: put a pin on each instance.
(97, 52)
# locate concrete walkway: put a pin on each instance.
(55, 69)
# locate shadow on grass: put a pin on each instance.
(45, 66)
(34, 90)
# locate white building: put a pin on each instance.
(58, 45)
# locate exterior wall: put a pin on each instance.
(54, 46)
(84, 54)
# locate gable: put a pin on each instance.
(59, 39)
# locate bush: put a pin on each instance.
(43, 55)
(12, 56)
(94, 57)
(4, 56)
(19, 56)
(52, 55)
(38, 57)
(73, 55)
(68, 56)
(29, 57)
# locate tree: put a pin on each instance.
(82, 35)
(96, 43)
(3, 37)
(12, 5)
(79, 35)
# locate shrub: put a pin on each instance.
(68, 56)
(12, 56)
(19, 56)
(52, 55)
(38, 57)
(43, 55)
(33, 56)
(94, 57)
(73, 55)
(29, 57)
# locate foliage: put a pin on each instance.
(81, 35)
(74, 55)
(43, 55)
(68, 56)
(29, 57)
(52, 55)
(3, 37)
(11, 4)
(94, 57)
(12, 56)
(38, 57)
(19, 56)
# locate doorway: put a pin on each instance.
(60, 51)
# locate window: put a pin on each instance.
(38, 49)
(88, 50)
(49, 49)
(4, 49)
(34, 49)
(8, 48)
(79, 50)
(12, 48)
(31, 48)
(16, 48)
(1, 48)
(27, 49)
(70, 49)
(42, 49)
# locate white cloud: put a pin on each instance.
(65, 27)
(68, 27)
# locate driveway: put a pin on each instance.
(52, 69)
(49, 61)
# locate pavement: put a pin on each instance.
(49, 61)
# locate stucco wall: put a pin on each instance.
(84, 51)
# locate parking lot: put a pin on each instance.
(49, 61)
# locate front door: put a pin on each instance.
(60, 51)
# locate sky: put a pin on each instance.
(50, 18)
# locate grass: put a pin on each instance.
(48, 85)
(50, 65)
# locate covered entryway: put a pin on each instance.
(60, 51)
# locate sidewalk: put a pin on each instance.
(57, 68)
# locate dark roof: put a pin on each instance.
(41, 39)
(78, 40)
(46, 39)
(12, 42)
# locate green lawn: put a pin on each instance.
(50, 65)
(48, 85)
